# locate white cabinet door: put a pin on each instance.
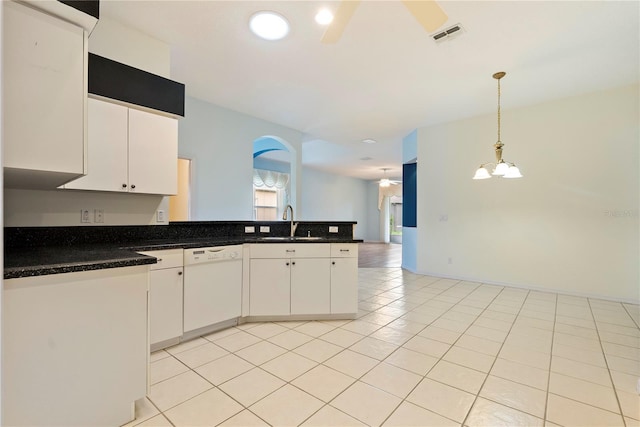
(344, 285)
(108, 148)
(270, 289)
(310, 278)
(153, 153)
(44, 91)
(165, 304)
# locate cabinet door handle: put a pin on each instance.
(124, 185)
(159, 259)
(133, 186)
(293, 263)
(344, 250)
(179, 273)
(287, 264)
(333, 263)
(291, 250)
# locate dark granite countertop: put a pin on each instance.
(55, 260)
(38, 261)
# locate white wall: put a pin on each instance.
(332, 197)
(62, 207)
(34, 208)
(119, 43)
(373, 213)
(220, 142)
(570, 225)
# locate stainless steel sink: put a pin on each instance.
(291, 239)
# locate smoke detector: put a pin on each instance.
(448, 33)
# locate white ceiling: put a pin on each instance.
(386, 76)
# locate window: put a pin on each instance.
(270, 194)
(265, 204)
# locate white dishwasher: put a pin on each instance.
(212, 285)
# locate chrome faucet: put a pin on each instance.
(284, 218)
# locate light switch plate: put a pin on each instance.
(160, 216)
(333, 229)
(249, 229)
(265, 229)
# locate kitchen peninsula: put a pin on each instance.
(77, 298)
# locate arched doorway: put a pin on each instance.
(274, 177)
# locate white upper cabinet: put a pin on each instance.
(153, 153)
(108, 148)
(130, 151)
(44, 98)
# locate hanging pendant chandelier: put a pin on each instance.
(502, 168)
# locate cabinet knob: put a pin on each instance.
(333, 263)
(293, 263)
(133, 186)
(179, 273)
(287, 264)
(124, 185)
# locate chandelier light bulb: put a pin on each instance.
(482, 173)
(501, 169)
(513, 172)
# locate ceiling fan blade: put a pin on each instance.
(427, 12)
(340, 20)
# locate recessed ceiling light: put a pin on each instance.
(324, 17)
(369, 141)
(269, 25)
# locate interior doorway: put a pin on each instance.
(395, 220)
(179, 205)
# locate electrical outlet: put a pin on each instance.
(265, 229)
(160, 216)
(249, 229)
(84, 216)
(98, 216)
(333, 229)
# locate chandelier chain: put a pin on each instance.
(499, 111)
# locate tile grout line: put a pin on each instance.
(553, 336)
(496, 358)
(606, 362)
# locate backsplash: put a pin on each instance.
(27, 237)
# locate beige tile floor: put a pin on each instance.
(424, 352)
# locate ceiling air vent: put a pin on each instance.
(448, 33)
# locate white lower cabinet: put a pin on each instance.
(303, 279)
(270, 292)
(165, 298)
(310, 291)
(74, 347)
